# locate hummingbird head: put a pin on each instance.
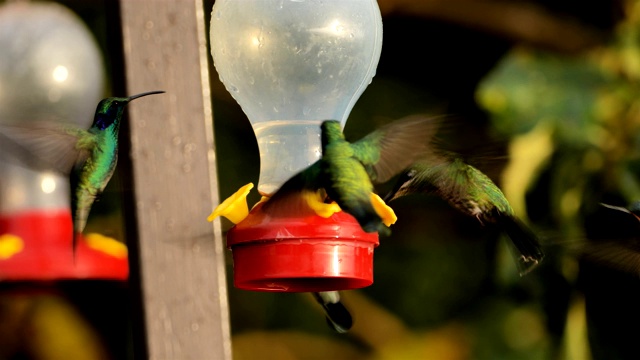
(110, 110)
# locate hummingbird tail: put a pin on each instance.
(530, 252)
(337, 315)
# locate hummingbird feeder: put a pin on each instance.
(291, 65)
(52, 68)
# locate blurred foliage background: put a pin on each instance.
(549, 89)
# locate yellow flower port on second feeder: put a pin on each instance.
(234, 207)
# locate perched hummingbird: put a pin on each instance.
(469, 190)
(337, 315)
(89, 156)
(346, 172)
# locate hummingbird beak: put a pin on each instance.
(132, 97)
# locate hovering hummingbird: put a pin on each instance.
(97, 157)
(347, 171)
(619, 249)
(469, 190)
(337, 315)
(88, 156)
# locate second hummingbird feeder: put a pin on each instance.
(291, 65)
(50, 71)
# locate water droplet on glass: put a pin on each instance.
(148, 25)
(176, 140)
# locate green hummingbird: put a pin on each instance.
(89, 157)
(346, 172)
(97, 158)
(472, 192)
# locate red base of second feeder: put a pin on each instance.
(44, 250)
(307, 254)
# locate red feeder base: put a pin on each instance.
(36, 245)
(308, 254)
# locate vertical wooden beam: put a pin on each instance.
(181, 263)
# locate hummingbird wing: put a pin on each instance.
(621, 251)
(620, 254)
(49, 146)
(389, 150)
(432, 174)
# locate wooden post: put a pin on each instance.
(181, 270)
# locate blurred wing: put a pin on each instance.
(620, 254)
(289, 199)
(433, 177)
(394, 147)
(46, 146)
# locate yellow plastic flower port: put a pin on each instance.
(106, 245)
(235, 207)
(315, 200)
(383, 210)
(10, 245)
